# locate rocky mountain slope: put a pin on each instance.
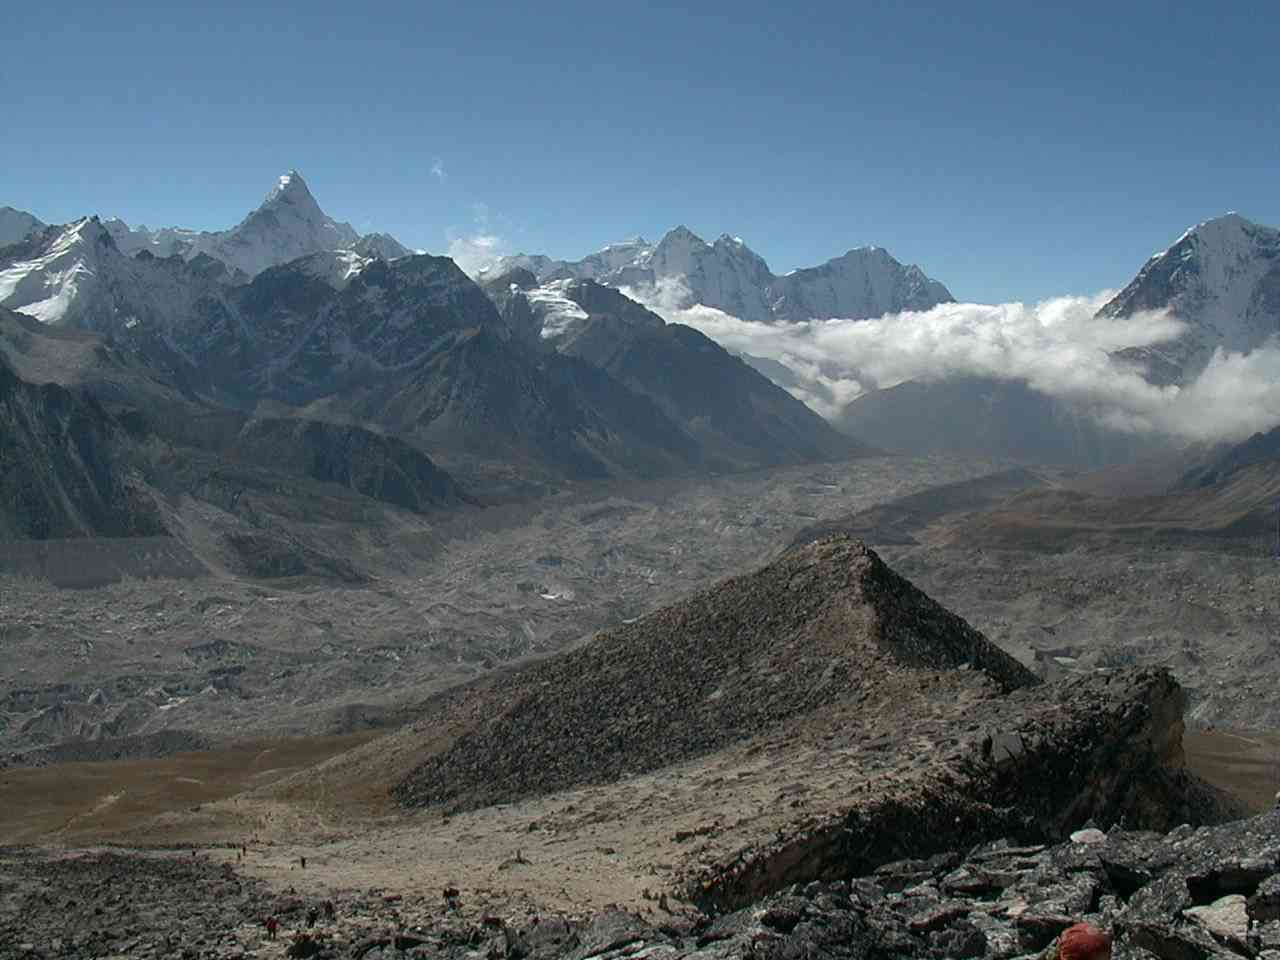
(695, 382)
(825, 623)
(808, 722)
(1224, 462)
(730, 276)
(64, 466)
(1222, 278)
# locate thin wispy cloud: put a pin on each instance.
(438, 171)
(1058, 347)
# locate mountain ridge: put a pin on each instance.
(728, 275)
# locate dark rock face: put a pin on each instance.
(379, 467)
(1167, 896)
(738, 415)
(1259, 449)
(822, 624)
(63, 468)
(1042, 762)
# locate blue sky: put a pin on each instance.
(1014, 152)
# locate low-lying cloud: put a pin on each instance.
(1057, 347)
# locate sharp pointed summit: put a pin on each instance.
(290, 187)
(288, 224)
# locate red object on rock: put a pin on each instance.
(1084, 941)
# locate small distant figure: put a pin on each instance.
(303, 861)
(244, 851)
(272, 926)
(1083, 941)
(312, 916)
(329, 911)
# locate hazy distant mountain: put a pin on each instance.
(981, 417)
(737, 415)
(730, 276)
(1222, 278)
(17, 225)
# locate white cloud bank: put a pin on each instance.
(475, 252)
(1058, 347)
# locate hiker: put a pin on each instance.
(303, 861)
(329, 911)
(272, 925)
(312, 915)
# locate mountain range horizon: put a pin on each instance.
(1123, 367)
(17, 222)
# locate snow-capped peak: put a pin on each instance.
(730, 276)
(1220, 277)
(292, 190)
(289, 184)
(287, 225)
(60, 274)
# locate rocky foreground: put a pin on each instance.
(1190, 893)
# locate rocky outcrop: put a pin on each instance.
(1032, 767)
(1202, 893)
(1189, 893)
(828, 623)
(920, 735)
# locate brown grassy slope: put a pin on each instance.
(825, 623)
(84, 803)
(1240, 509)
